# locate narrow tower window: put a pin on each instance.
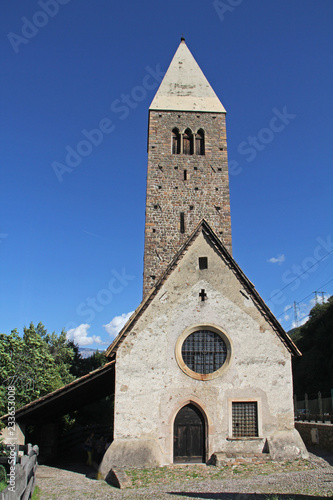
(175, 141)
(188, 142)
(182, 222)
(203, 263)
(200, 142)
(185, 175)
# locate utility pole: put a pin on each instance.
(295, 314)
(316, 292)
(316, 297)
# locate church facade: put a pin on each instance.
(202, 366)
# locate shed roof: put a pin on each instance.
(84, 390)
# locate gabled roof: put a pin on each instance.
(185, 87)
(86, 389)
(205, 228)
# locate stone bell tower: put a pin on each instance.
(187, 177)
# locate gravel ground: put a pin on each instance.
(288, 481)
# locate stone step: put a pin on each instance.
(220, 458)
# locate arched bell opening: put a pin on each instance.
(175, 141)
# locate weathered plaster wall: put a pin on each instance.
(150, 386)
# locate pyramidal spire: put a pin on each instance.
(185, 87)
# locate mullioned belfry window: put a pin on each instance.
(187, 143)
(244, 419)
(203, 352)
(175, 141)
(200, 142)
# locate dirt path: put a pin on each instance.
(275, 481)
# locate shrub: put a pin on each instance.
(3, 475)
(4, 452)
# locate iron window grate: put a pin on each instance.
(204, 351)
(245, 419)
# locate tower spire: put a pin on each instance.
(185, 87)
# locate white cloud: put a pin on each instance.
(277, 260)
(80, 335)
(116, 324)
(303, 310)
(301, 322)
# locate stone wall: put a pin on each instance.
(316, 434)
(195, 185)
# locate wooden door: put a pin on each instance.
(189, 436)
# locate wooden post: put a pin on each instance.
(307, 406)
(320, 404)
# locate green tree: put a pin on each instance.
(313, 372)
(81, 366)
(36, 363)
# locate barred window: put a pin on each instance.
(244, 419)
(204, 351)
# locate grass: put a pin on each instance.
(278, 497)
(3, 485)
(36, 494)
(166, 475)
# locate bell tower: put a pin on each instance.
(187, 178)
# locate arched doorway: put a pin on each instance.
(189, 435)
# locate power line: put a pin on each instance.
(327, 282)
(295, 304)
(290, 307)
(297, 277)
(309, 295)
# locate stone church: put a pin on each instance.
(202, 366)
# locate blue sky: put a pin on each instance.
(71, 243)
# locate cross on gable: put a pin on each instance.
(203, 295)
